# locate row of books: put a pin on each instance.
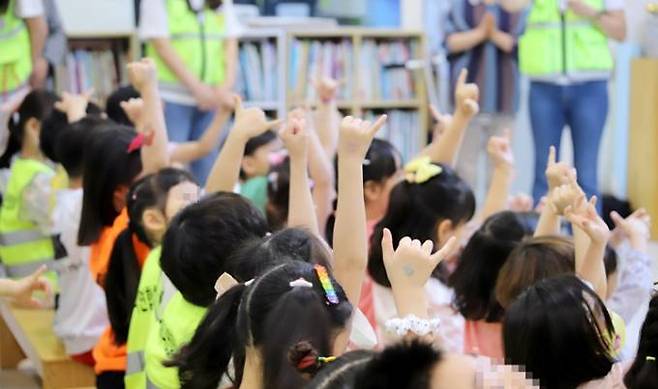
(402, 129)
(258, 71)
(311, 60)
(384, 75)
(103, 71)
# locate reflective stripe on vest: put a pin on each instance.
(24, 270)
(20, 237)
(150, 385)
(11, 33)
(135, 362)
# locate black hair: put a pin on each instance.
(4, 4)
(552, 330)
(610, 261)
(403, 365)
(70, 144)
(201, 237)
(643, 373)
(122, 278)
(38, 104)
(270, 315)
(341, 373)
(107, 165)
(57, 123)
(113, 105)
(474, 278)
(211, 4)
(278, 195)
(254, 144)
(417, 209)
(291, 244)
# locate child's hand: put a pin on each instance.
(466, 96)
(25, 287)
(295, 137)
(558, 173)
(442, 123)
(74, 106)
(134, 109)
(520, 203)
(251, 122)
(326, 89)
(142, 74)
(568, 195)
(410, 266)
(588, 220)
(356, 135)
(500, 150)
(636, 228)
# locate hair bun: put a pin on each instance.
(304, 357)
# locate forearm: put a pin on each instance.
(350, 241)
(226, 170)
(154, 155)
(613, 24)
(191, 151)
(514, 5)
(496, 200)
(326, 121)
(549, 222)
(462, 41)
(446, 148)
(322, 174)
(38, 30)
(592, 269)
(411, 301)
(230, 63)
(301, 212)
(174, 62)
(504, 41)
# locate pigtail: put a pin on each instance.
(205, 359)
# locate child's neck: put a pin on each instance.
(31, 151)
(75, 182)
(252, 376)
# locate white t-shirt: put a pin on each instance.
(29, 8)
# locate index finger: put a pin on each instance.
(38, 273)
(551, 156)
(462, 77)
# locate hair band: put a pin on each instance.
(327, 286)
(650, 358)
(421, 170)
(300, 282)
(140, 140)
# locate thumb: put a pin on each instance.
(274, 123)
(238, 104)
(378, 125)
(34, 277)
(445, 251)
(616, 218)
(387, 245)
(462, 77)
(551, 156)
(435, 113)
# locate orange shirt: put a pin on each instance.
(109, 356)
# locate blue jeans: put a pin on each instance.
(187, 123)
(584, 108)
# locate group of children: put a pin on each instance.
(312, 258)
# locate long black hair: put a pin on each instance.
(643, 374)
(417, 210)
(552, 330)
(474, 279)
(269, 315)
(107, 165)
(38, 105)
(201, 237)
(122, 278)
(56, 124)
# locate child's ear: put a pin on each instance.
(248, 166)
(33, 127)
(119, 197)
(372, 190)
(154, 221)
(445, 231)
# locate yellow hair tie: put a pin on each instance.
(326, 359)
(650, 358)
(420, 170)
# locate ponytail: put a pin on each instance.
(205, 359)
(121, 283)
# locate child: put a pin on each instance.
(258, 156)
(643, 372)
(25, 241)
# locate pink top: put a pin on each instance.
(484, 339)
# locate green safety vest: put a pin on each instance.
(556, 45)
(16, 54)
(23, 247)
(198, 38)
(179, 322)
(147, 313)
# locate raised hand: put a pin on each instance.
(225, 98)
(294, 136)
(520, 203)
(500, 150)
(558, 173)
(142, 74)
(588, 220)
(466, 96)
(326, 89)
(568, 195)
(412, 263)
(25, 287)
(636, 228)
(74, 106)
(251, 122)
(356, 135)
(134, 109)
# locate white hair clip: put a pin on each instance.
(300, 282)
(248, 283)
(366, 162)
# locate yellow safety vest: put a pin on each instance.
(15, 50)
(179, 323)
(566, 44)
(23, 247)
(198, 38)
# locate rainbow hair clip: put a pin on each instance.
(327, 286)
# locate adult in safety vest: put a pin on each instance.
(565, 53)
(23, 32)
(196, 62)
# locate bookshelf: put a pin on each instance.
(371, 63)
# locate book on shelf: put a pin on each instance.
(313, 59)
(101, 70)
(258, 71)
(384, 75)
(402, 129)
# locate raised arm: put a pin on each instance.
(326, 117)
(300, 203)
(249, 122)
(321, 170)
(191, 151)
(143, 77)
(500, 153)
(557, 174)
(350, 237)
(445, 148)
(74, 106)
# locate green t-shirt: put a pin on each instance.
(255, 189)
